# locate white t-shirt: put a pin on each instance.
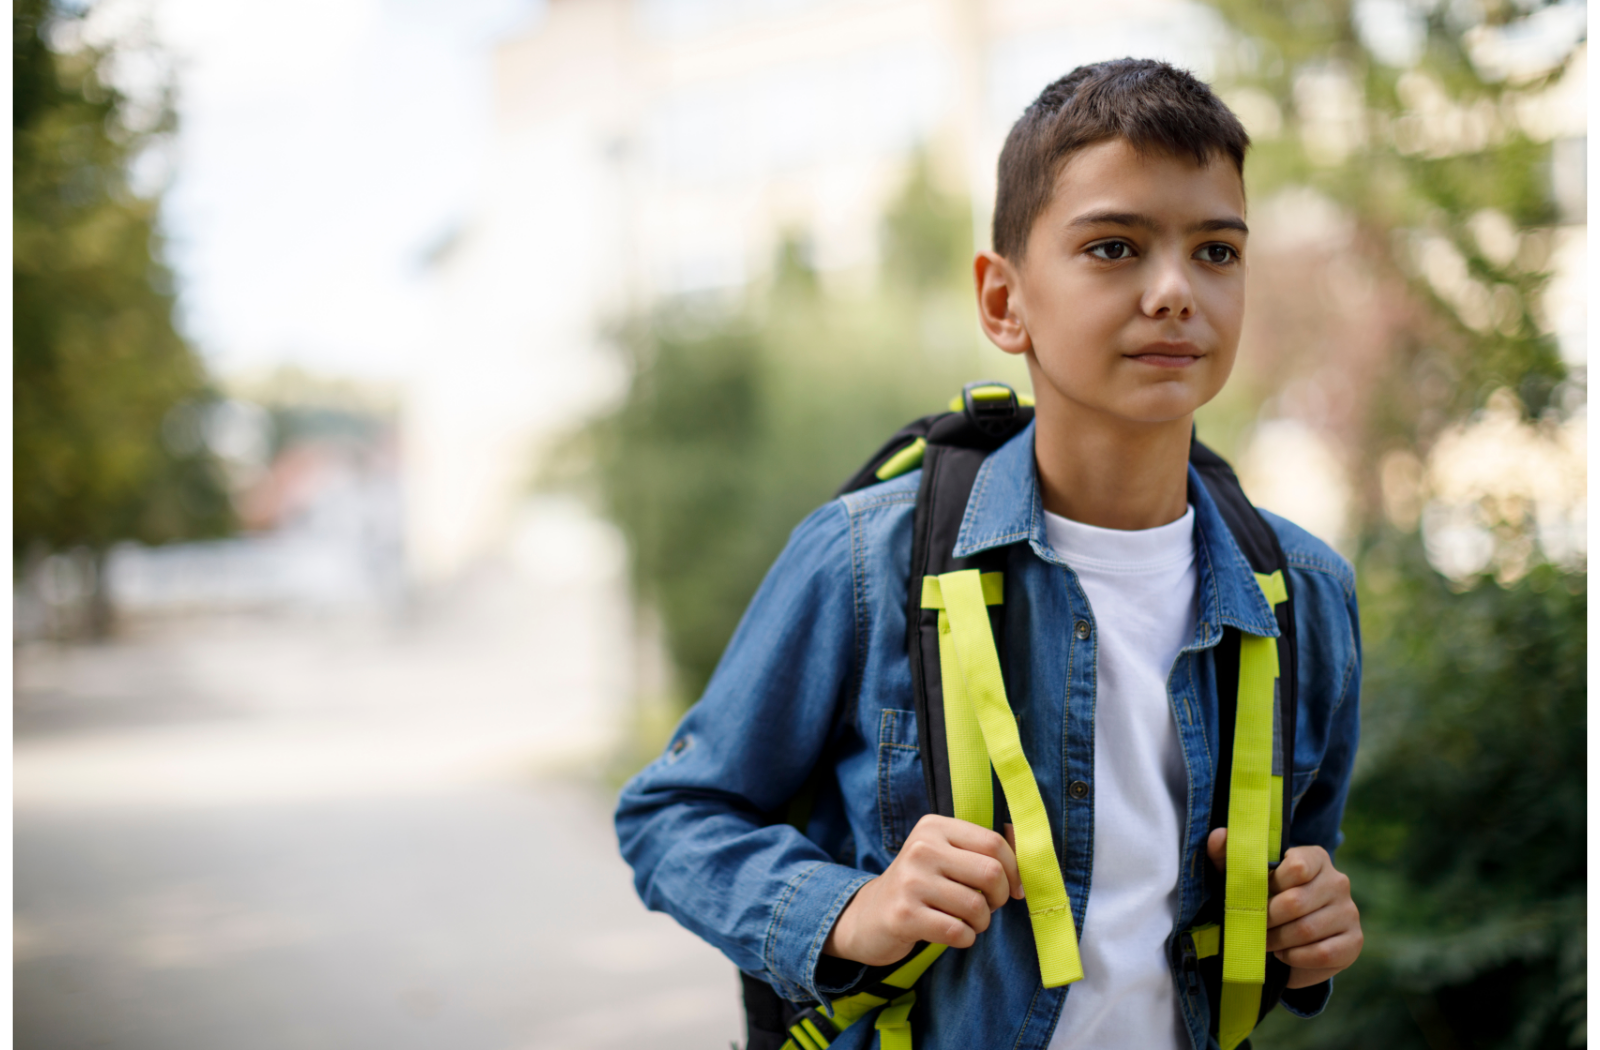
(1141, 588)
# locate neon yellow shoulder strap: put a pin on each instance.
(981, 731)
(1255, 818)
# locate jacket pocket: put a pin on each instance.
(902, 796)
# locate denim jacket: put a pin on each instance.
(817, 678)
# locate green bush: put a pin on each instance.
(1465, 830)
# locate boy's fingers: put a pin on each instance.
(1300, 865)
(1330, 888)
(1217, 848)
(959, 901)
(981, 871)
(1319, 924)
(937, 927)
(968, 836)
(1325, 957)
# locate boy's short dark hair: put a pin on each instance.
(1155, 106)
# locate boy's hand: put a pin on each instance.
(941, 888)
(1312, 924)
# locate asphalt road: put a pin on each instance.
(340, 831)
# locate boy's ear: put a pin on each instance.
(998, 286)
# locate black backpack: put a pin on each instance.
(949, 447)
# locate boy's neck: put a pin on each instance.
(1110, 473)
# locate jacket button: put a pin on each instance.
(1082, 630)
(1078, 789)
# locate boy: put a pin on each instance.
(1118, 274)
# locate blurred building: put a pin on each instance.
(657, 149)
(315, 476)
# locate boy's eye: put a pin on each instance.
(1112, 251)
(1219, 254)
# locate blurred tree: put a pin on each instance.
(97, 362)
(739, 421)
(928, 235)
(1465, 827)
(1449, 190)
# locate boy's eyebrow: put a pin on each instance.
(1130, 218)
(1213, 225)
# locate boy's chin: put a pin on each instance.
(1137, 411)
(1170, 401)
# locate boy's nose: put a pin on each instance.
(1169, 293)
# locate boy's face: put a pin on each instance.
(1129, 299)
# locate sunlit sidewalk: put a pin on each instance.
(350, 830)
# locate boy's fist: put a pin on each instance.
(1312, 924)
(948, 877)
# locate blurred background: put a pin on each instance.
(409, 395)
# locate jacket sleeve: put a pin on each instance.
(1328, 630)
(1328, 724)
(694, 823)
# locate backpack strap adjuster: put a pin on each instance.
(812, 1030)
(990, 406)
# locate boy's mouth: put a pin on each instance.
(1167, 355)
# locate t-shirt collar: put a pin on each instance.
(1005, 508)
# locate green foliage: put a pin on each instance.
(1465, 832)
(928, 235)
(97, 363)
(732, 432)
(1466, 818)
(1398, 179)
(740, 421)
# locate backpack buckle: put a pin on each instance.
(991, 406)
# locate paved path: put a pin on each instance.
(283, 832)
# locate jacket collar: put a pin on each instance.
(1005, 508)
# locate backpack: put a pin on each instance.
(955, 616)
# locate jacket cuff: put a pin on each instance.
(836, 978)
(801, 921)
(1308, 1001)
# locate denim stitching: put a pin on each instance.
(972, 544)
(892, 818)
(1066, 718)
(1311, 563)
(1340, 571)
(1194, 684)
(974, 500)
(859, 501)
(858, 585)
(1027, 1018)
(1191, 688)
(891, 815)
(1094, 714)
(963, 540)
(1208, 572)
(1349, 672)
(1188, 777)
(1239, 562)
(886, 499)
(839, 904)
(779, 912)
